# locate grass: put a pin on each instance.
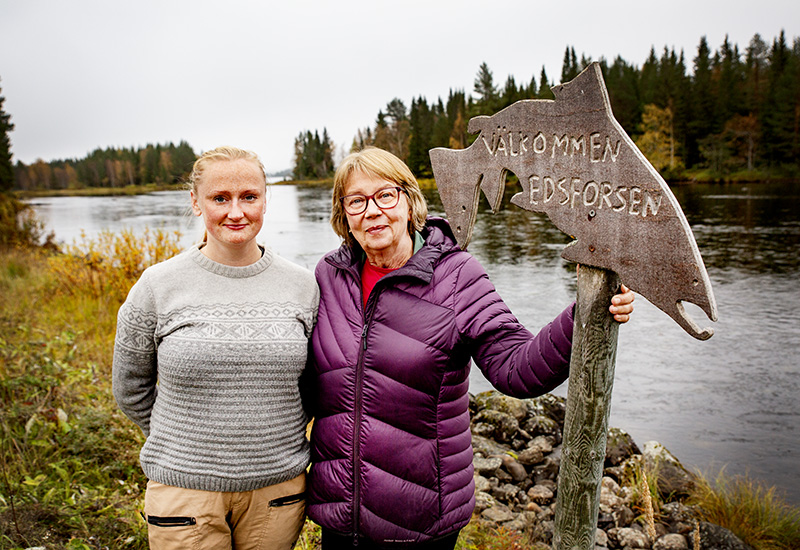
(749, 509)
(68, 458)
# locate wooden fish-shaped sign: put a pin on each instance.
(576, 163)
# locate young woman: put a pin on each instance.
(209, 349)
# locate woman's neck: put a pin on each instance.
(392, 258)
(233, 256)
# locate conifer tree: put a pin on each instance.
(569, 68)
(485, 89)
(6, 167)
(544, 86)
(702, 116)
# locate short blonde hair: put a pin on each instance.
(380, 164)
(224, 153)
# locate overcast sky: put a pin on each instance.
(77, 75)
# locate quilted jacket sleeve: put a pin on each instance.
(514, 360)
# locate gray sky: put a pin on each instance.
(83, 74)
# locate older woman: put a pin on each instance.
(209, 350)
(402, 312)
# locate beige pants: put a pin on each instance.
(264, 519)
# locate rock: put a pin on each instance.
(673, 478)
(671, 541)
(487, 447)
(487, 467)
(503, 476)
(548, 468)
(540, 494)
(549, 405)
(542, 425)
(484, 501)
(609, 500)
(631, 538)
(496, 401)
(498, 514)
(517, 471)
(542, 532)
(600, 539)
(542, 442)
(533, 507)
(605, 520)
(619, 446)
(496, 424)
(506, 493)
(714, 537)
(676, 512)
(482, 484)
(521, 522)
(623, 516)
(483, 429)
(530, 456)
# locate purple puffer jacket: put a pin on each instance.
(391, 445)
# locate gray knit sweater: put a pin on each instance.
(207, 360)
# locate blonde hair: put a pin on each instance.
(380, 164)
(224, 153)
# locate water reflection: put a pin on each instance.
(732, 399)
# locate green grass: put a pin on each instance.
(751, 510)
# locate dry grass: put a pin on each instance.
(749, 509)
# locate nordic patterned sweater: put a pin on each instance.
(207, 361)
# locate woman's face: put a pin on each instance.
(231, 198)
(382, 233)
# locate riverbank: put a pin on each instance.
(70, 459)
(684, 178)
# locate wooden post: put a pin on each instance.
(591, 378)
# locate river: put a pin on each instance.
(732, 401)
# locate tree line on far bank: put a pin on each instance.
(738, 112)
(111, 167)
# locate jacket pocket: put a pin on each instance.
(173, 521)
(287, 500)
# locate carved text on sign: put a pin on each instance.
(509, 143)
(635, 201)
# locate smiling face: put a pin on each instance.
(231, 198)
(382, 233)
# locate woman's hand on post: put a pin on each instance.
(622, 305)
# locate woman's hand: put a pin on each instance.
(622, 305)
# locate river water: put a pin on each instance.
(732, 401)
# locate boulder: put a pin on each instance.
(714, 537)
(671, 541)
(673, 478)
(632, 538)
(542, 425)
(484, 501)
(540, 494)
(619, 447)
(496, 401)
(517, 470)
(496, 424)
(487, 467)
(498, 514)
(530, 456)
(548, 405)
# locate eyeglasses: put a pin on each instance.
(385, 198)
